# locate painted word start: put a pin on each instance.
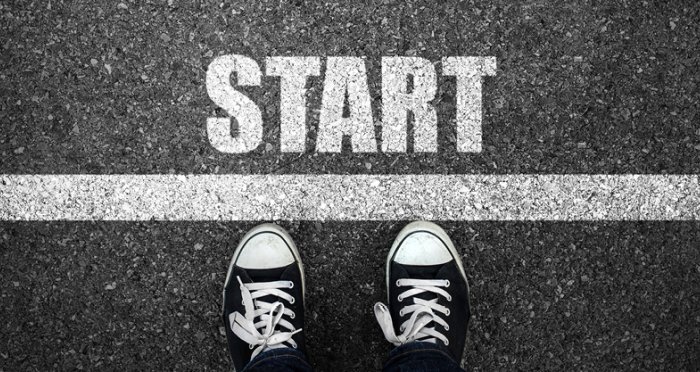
(346, 81)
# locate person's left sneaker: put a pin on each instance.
(264, 295)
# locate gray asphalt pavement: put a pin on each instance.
(110, 87)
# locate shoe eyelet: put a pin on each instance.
(447, 342)
(292, 316)
(242, 302)
(291, 285)
(402, 328)
(447, 327)
(398, 282)
(399, 298)
(447, 283)
(449, 298)
(447, 313)
(401, 312)
(292, 301)
(250, 346)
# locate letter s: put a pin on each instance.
(235, 103)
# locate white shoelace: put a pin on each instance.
(423, 312)
(263, 334)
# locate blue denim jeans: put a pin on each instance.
(414, 357)
(285, 359)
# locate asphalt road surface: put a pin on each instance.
(589, 87)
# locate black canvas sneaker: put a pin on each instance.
(428, 293)
(264, 295)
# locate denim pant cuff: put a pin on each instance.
(421, 356)
(283, 359)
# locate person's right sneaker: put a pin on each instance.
(428, 293)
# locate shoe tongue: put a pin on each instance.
(266, 275)
(422, 272)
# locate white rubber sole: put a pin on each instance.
(268, 227)
(428, 227)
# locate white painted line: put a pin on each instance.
(349, 197)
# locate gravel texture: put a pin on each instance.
(118, 87)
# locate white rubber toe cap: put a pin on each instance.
(422, 248)
(265, 250)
